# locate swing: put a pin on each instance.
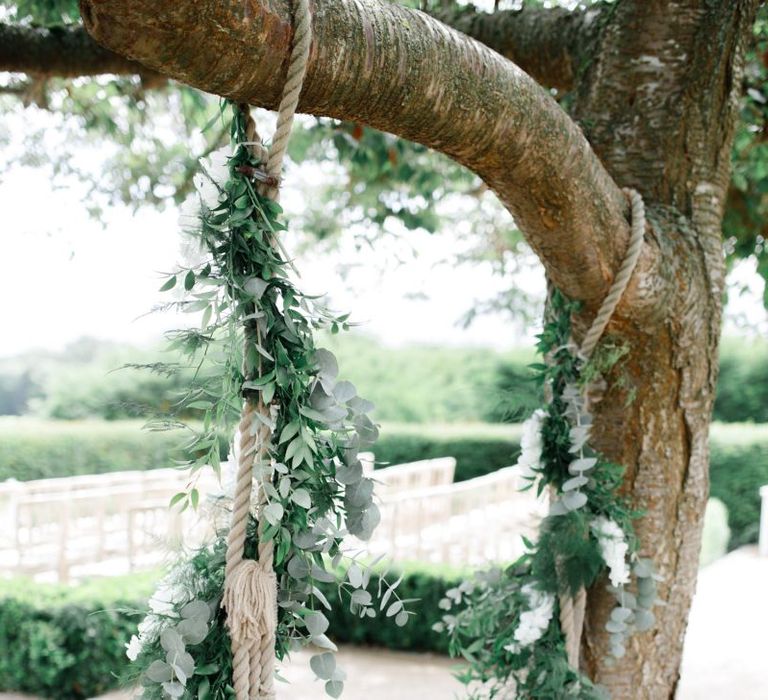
(222, 618)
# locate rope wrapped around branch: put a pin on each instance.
(250, 586)
(573, 608)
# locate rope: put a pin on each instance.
(572, 609)
(250, 586)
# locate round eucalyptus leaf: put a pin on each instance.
(298, 567)
(192, 631)
(159, 672)
(334, 688)
(575, 483)
(323, 665)
(344, 391)
(197, 610)
(316, 623)
(171, 641)
(401, 619)
(573, 500)
(347, 475)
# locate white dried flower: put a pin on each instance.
(534, 621)
(529, 462)
(613, 548)
(133, 648)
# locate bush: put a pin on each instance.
(742, 390)
(35, 449)
(61, 642)
(66, 643)
(479, 449)
(739, 467)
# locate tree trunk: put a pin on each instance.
(657, 100)
(658, 103)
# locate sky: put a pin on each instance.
(66, 275)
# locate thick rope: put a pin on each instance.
(572, 609)
(250, 587)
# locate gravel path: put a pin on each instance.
(726, 653)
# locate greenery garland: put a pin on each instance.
(504, 622)
(318, 493)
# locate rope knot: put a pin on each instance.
(250, 598)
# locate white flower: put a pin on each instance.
(166, 598)
(534, 621)
(189, 214)
(133, 648)
(613, 548)
(529, 461)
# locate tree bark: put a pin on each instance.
(659, 103)
(61, 52)
(657, 99)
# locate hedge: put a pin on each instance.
(69, 643)
(65, 643)
(37, 449)
(739, 467)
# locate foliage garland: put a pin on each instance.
(315, 489)
(505, 622)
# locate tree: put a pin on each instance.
(652, 94)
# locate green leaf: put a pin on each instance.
(170, 283)
(323, 665)
(189, 280)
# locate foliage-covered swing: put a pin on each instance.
(221, 617)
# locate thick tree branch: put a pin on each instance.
(400, 71)
(550, 44)
(62, 52)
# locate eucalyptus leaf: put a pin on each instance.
(323, 665)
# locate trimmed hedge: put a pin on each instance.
(69, 643)
(479, 449)
(38, 449)
(739, 467)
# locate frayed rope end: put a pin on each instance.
(250, 599)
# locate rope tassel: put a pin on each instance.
(250, 598)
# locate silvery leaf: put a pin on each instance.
(298, 567)
(197, 610)
(334, 688)
(344, 391)
(360, 406)
(575, 483)
(175, 690)
(644, 620)
(305, 540)
(644, 568)
(324, 643)
(614, 626)
(573, 500)
(401, 619)
(273, 513)
(320, 574)
(171, 641)
(193, 631)
(323, 665)
(256, 287)
(557, 508)
(319, 400)
(579, 466)
(316, 623)
(361, 597)
(355, 576)
(351, 474)
(159, 671)
(326, 363)
(359, 495)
